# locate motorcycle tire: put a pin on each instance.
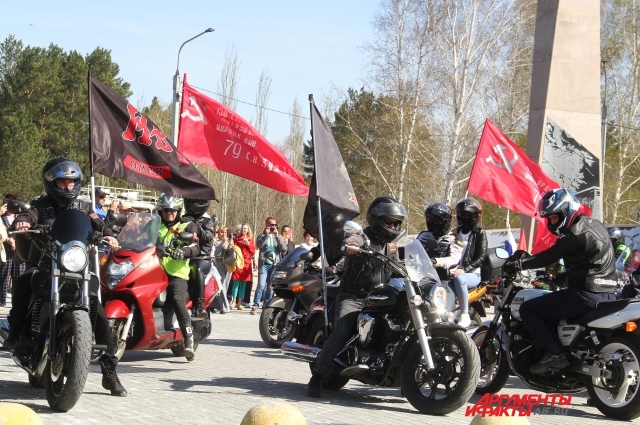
(270, 321)
(37, 382)
(455, 358)
(67, 374)
(607, 401)
(498, 378)
(332, 381)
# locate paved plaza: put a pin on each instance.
(233, 371)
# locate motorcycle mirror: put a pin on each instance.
(502, 253)
(16, 207)
(118, 219)
(187, 236)
(431, 244)
(352, 228)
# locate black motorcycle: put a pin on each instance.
(401, 340)
(296, 284)
(56, 342)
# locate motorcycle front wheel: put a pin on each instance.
(275, 328)
(67, 373)
(450, 385)
(618, 397)
(494, 369)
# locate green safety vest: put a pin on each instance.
(173, 267)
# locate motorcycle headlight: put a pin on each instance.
(439, 297)
(74, 259)
(117, 271)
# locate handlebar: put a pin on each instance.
(21, 232)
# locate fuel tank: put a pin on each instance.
(382, 299)
(522, 296)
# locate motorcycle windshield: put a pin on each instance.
(72, 225)
(140, 233)
(417, 262)
(292, 258)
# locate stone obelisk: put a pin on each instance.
(565, 80)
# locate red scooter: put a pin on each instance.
(134, 292)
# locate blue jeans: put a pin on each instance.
(263, 292)
(461, 285)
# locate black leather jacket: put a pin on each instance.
(363, 273)
(206, 233)
(476, 250)
(588, 256)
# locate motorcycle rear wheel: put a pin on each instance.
(619, 396)
(67, 373)
(494, 370)
(450, 385)
(275, 328)
(332, 381)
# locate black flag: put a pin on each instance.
(330, 183)
(125, 144)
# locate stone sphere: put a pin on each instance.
(18, 414)
(273, 414)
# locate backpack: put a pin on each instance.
(233, 259)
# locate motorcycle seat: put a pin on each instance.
(602, 309)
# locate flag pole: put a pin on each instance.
(96, 257)
(323, 260)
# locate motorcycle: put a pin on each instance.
(134, 292)
(602, 346)
(297, 284)
(56, 342)
(401, 340)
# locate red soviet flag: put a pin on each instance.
(216, 136)
(503, 174)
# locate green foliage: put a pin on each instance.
(43, 97)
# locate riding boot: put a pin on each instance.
(200, 311)
(110, 380)
(15, 326)
(189, 352)
(314, 387)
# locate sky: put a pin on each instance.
(305, 46)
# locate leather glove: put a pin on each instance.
(512, 267)
(177, 254)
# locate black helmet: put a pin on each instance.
(438, 217)
(386, 207)
(171, 203)
(616, 236)
(196, 206)
(561, 202)
(468, 213)
(61, 168)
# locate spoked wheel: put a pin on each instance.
(67, 373)
(618, 397)
(494, 369)
(275, 328)
(447, 387)
(332, 381)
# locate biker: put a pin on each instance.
(175, 262)
(589, 259)
(361, 274)
(196, 211)
(61, 178)
(474, 249)
(622, 251)
(447, 255)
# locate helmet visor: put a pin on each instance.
(391, 210)
(63, 170)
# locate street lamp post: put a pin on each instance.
(175, 122)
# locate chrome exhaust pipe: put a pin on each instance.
(307, 353)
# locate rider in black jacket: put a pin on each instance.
(589, 258)
(196, 211)
(61, 178)
(361, 274)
